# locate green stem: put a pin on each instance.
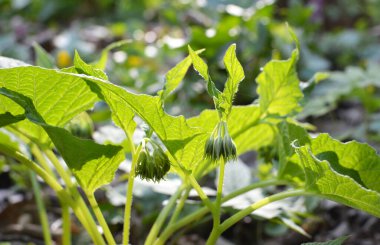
(41, 159)
(129, 194)
(66, 224)
(163, 215)
(101, 220)
(202, 195)
(169, 230)
(83, 216)
(72, 188)
(41, 209)
(218, 201)
(179, 206)
(247, 211)
(59, 168)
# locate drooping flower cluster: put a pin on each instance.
(220, 144)
(152, 165)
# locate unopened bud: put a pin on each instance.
(152, 167)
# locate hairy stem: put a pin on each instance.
(129, 194)
(66, 236)
(169, 230)
(72, 189)
(84, 217)
(194, 183)
(101, 220)
(218, 201)
(241, 214)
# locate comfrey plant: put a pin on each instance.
(37, 103)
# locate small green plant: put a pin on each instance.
(38, 103)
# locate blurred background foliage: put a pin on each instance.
(341, 38)
(333, 35)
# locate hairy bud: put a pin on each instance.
(220, 144)
(152, 166)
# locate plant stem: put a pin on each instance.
(66, 224)
(129, 194)
(179, 206)
(202, 195)
(241, 214)
(41, 208)
(41, 159)
(218, 201)
(72, 189)
(170, 229)
(100, 217)
(163, 215)
(60, 169)
(84, 217)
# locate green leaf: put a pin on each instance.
(83, 68)
(7, 118)
(338, 241)
(92, 164)
(67, 94)
(57, 97)
(175, 75)
(278, 87)
(346, 173)
(43, 59)
(180, 139)
(235, 76)
(288, 133)
(201, 67)
(122, 115)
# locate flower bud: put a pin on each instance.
(208, 147)
(152, 166)
(220, 144)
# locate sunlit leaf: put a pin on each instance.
(345, 173)
(92, 164)
(175, 75)
(279, 87)
(235, 76)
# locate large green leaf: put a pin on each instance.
(57, 96)
(235, 76)
(181, 140)
(93, 164)
(122, 115)
(346, 173)
(175, 75)
(279, 88)
(60, 95)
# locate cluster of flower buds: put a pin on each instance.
(220, 144)
(152, 165)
